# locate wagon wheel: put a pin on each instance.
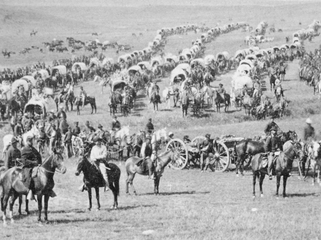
(222, 157)
(181, 153)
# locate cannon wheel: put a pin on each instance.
(181, 153)
(222, 157)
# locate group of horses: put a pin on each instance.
(250, 152)
(310, 70)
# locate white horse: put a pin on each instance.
(123, 132)
(315, 160)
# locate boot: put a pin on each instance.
(30, 195)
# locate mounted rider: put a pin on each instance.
(146, 154)
(98, 155)
(272, 147)
(309, 132)
(82, 95)
(30, 158)
(221, 91)
(13, 155)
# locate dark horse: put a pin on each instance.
(89, 100)
(132, 168)
(247, 148)
(283, 166)
(13, 187)
(218, 99)
(94, 179)
(155, 99)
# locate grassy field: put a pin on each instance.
(192, 205)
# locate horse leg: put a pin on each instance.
(254, 182)
(20, 203)
(13, 198)
(39, 199)
(4, 203)
(285, 178)
(89, 198)
(46, 207)
(157, 180)
(27, 206)
(278, 180)
(130, 180)
(97, 197)
(262, 176)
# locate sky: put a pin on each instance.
(145, 2)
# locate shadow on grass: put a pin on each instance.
(293, 195)
(175, 193)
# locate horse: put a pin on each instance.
(155, 99)
(132, 168)
(248, 148)
(89, 100)
(283, 166)
(12, 185)
(94, 179)
(65, 98)
(218, 99)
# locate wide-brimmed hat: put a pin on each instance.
(309, 121)
(208, 135)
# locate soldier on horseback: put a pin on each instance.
(13, 154)
(271, 125)
(83, 95)
(146, 154)
(221, 90)
(30, 158)
(272, 145)
(76, 131)
(98, 155)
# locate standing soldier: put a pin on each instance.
(67, 142)
(207, 152)
(76, 131)
(13, 154)
(52, 138)
(271, 125)
(83, 96)
(115, 125)
(309, 133)
(149, 127)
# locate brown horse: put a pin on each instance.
(89, 100)
(132, 168)
(282, 166)
(94, 179)
(226, 101)
(248, 148)
(13, 187)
